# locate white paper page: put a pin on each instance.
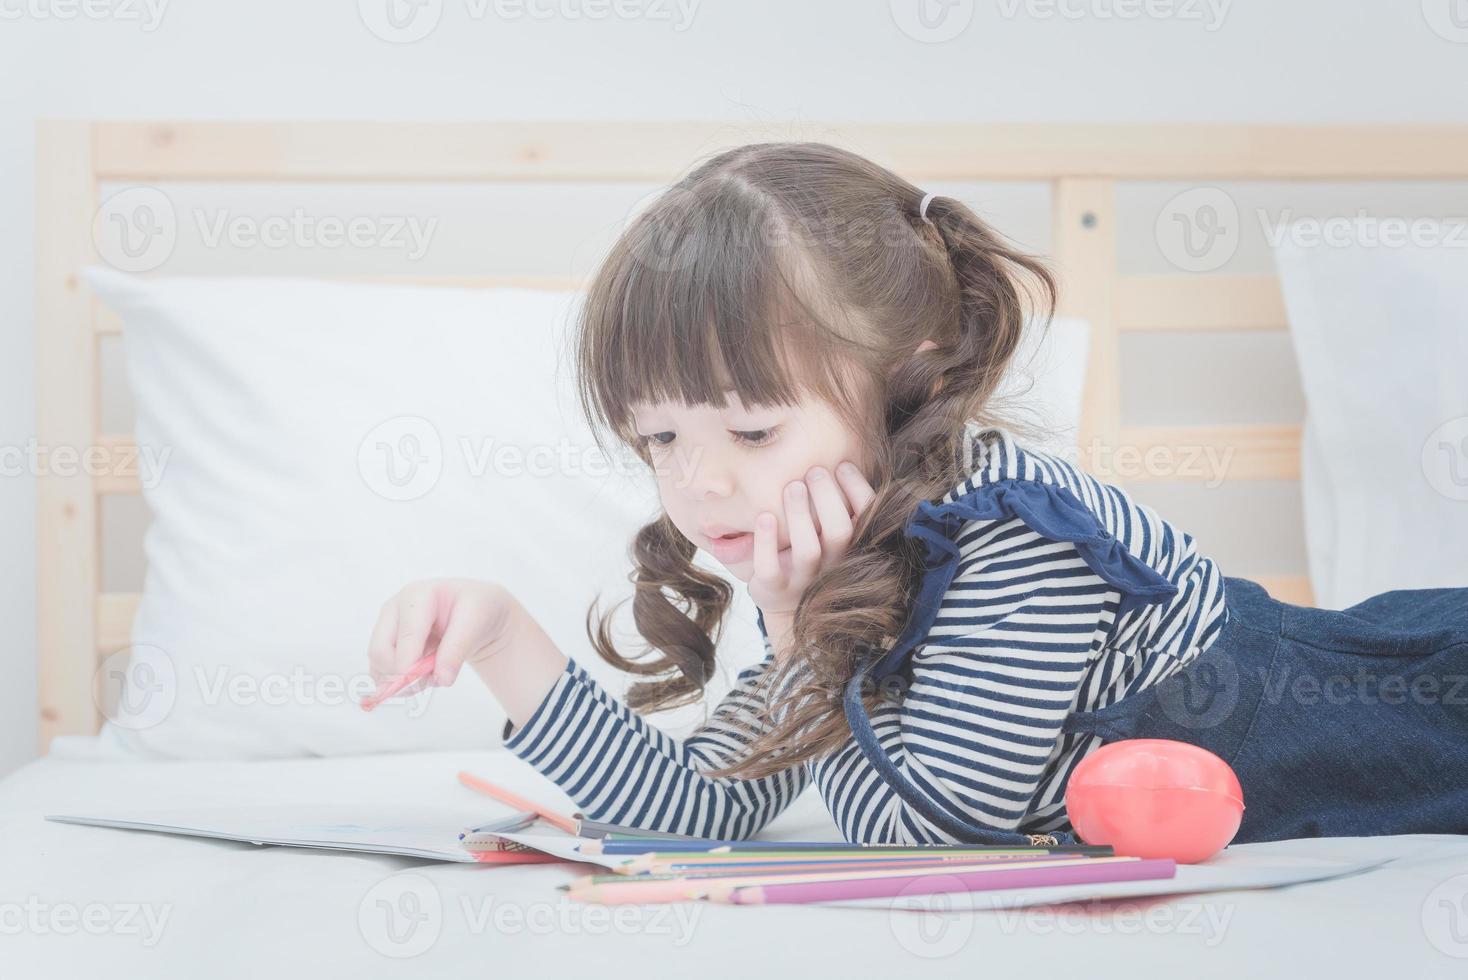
(413, 831)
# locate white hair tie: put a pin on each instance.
(923, 207)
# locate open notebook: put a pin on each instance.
(411, 831)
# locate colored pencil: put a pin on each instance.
(514, 857)
(681, 889)
(422, 667)
(575, 825)
(504, 825)
(557, 820)
(646, 864)
(673, 870)
(600, 828)
(621, 845)
(990, 879)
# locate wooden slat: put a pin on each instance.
(1085, 265)
(105, 321)
(1200, 303)
(110, 324)
(658, 151)
(334, 150)
(115, 614)
(121, 466)
(1203, 453)
(66, 510)
(475, 282)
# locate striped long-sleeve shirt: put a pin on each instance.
(1030, 629)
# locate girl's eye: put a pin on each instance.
(757, 437)
(753, 437)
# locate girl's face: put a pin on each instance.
(718, 468)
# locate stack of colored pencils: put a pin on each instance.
(766, 872)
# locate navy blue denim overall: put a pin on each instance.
(1338, 723)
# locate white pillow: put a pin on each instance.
(279, 526)
(1047, 380)
(1380, 329)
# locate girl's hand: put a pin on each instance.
(458, 620)
(781, 576)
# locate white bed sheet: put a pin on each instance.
(224, 909)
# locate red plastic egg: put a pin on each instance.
(1155, 797)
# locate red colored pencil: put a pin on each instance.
(419, 669)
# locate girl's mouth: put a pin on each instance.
(735, 547)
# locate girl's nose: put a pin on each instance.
(703, 475)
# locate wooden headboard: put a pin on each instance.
(79, 622)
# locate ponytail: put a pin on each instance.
(998, 292)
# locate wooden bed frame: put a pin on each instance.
(79, 623)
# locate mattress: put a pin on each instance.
(92, 902)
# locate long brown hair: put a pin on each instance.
(776, 269)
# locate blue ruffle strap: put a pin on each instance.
(1051, 511)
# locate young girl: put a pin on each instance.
(806, 350)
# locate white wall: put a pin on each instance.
(755, 61)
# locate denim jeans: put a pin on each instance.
(1338, 723)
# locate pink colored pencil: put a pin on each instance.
(1082, 873)
(633, 891)
(419, 669)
